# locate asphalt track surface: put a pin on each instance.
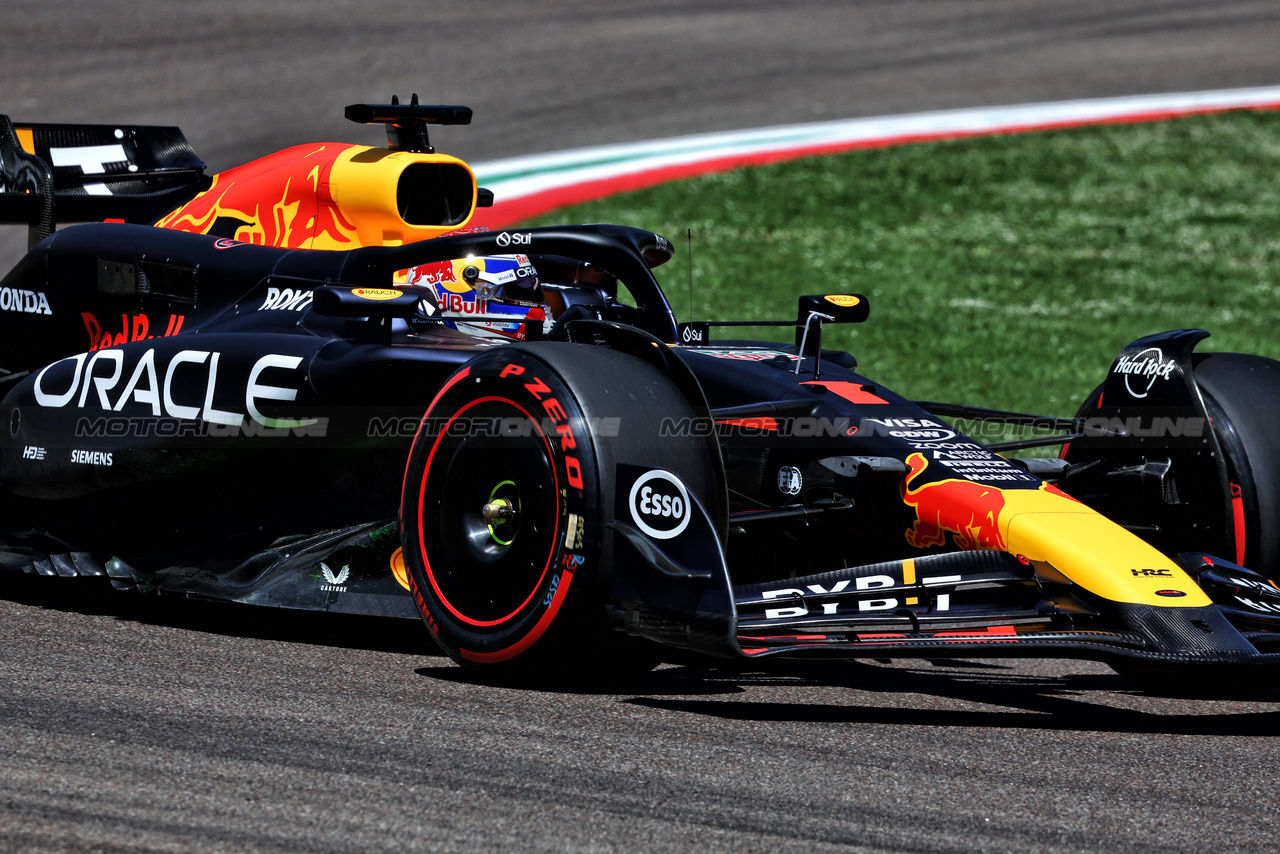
(129, 724)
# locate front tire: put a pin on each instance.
(508, 491)
(1242, 396)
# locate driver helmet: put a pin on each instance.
(483, 285)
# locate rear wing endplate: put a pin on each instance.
(52, 173)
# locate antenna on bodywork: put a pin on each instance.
(689, 237)
(692, 333)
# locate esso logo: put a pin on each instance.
(660, 505)
(507, 238)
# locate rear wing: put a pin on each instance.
(52, 173)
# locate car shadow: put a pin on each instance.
(686, 682)
(95, 596)
(713, 688)
(1074, 702)
(1079, 702)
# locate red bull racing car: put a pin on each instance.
(310, 382)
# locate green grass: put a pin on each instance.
(1002, 271)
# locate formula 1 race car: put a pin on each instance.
(309, 383)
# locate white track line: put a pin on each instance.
(534, 182)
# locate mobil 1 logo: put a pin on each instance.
(656, 501)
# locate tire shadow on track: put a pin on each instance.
(676, 681)
(95, 597)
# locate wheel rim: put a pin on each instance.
(490, 513)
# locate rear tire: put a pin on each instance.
(533, 433)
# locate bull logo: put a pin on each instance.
(969, 511)
(436, 274)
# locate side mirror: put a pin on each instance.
(815, 309)
(844, 308)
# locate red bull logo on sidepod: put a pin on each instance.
(969, 511)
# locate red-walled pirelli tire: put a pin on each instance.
(1242, 396)
(507, 494)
